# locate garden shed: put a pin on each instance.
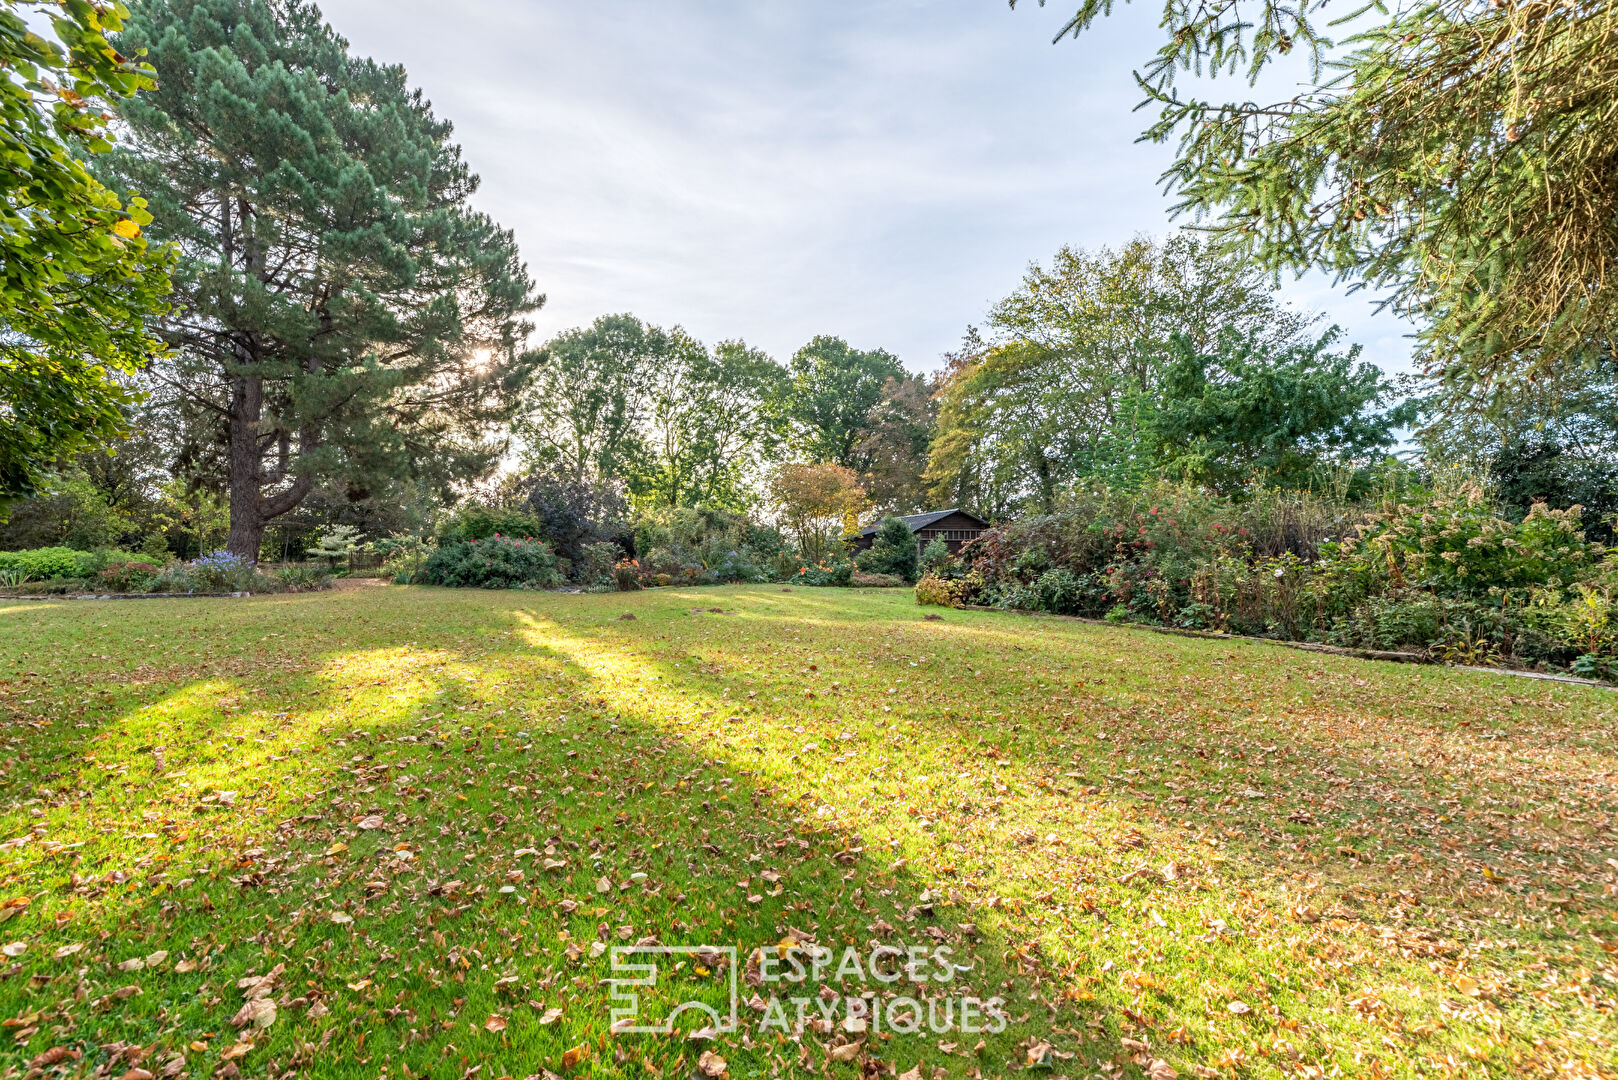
(955, 527)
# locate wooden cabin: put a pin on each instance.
(955, 527)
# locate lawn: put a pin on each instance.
(399, 830)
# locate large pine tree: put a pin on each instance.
(341, 312)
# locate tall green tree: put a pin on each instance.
(1047, 394)
(829, 400)
(1223, 416)
(708, 428)
(1458, 153)
(678, 423)
(582, 417)
(340, 309)
(898, 433)
(78, 281)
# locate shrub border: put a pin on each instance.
(1303, 646)
(140, 596)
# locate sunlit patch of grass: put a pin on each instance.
(1163, 853)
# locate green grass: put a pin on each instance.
(1219, 858)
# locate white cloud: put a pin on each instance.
(878, 169)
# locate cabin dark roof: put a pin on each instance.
(917, 522)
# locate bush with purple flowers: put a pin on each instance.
(221, 571)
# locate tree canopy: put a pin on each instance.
(78, 281)
(833, 389)
(341, 313)
(1048, 394)
(1457, 153)
(678, 423)
(1242, 410)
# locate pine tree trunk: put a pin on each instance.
(247, 520)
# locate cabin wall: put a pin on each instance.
(956, 529)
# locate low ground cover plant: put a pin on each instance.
(43, 564)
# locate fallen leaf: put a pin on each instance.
(495, 1023)
(259, 1012)
(574, 1055)
(711, 1064)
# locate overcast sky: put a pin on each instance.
(881, 170)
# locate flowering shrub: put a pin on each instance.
(936, 591)
(1455, 545)
(838, 573)
(499, 562)
(128, 576)
(221, 571)
(626, 575)
(1440, 572)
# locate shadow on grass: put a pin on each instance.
(1084, 802)
(383, 799)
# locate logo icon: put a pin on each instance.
(653, 967)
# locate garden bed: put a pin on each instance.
(1385, 655)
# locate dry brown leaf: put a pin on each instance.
(237, 1050)
(846, 1052)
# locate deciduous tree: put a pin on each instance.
(1241, 410)
(815, 502)
(1048, 394)
(78, 281)
(829, 400)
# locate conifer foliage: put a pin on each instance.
(341, 313)
(1458, 153)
